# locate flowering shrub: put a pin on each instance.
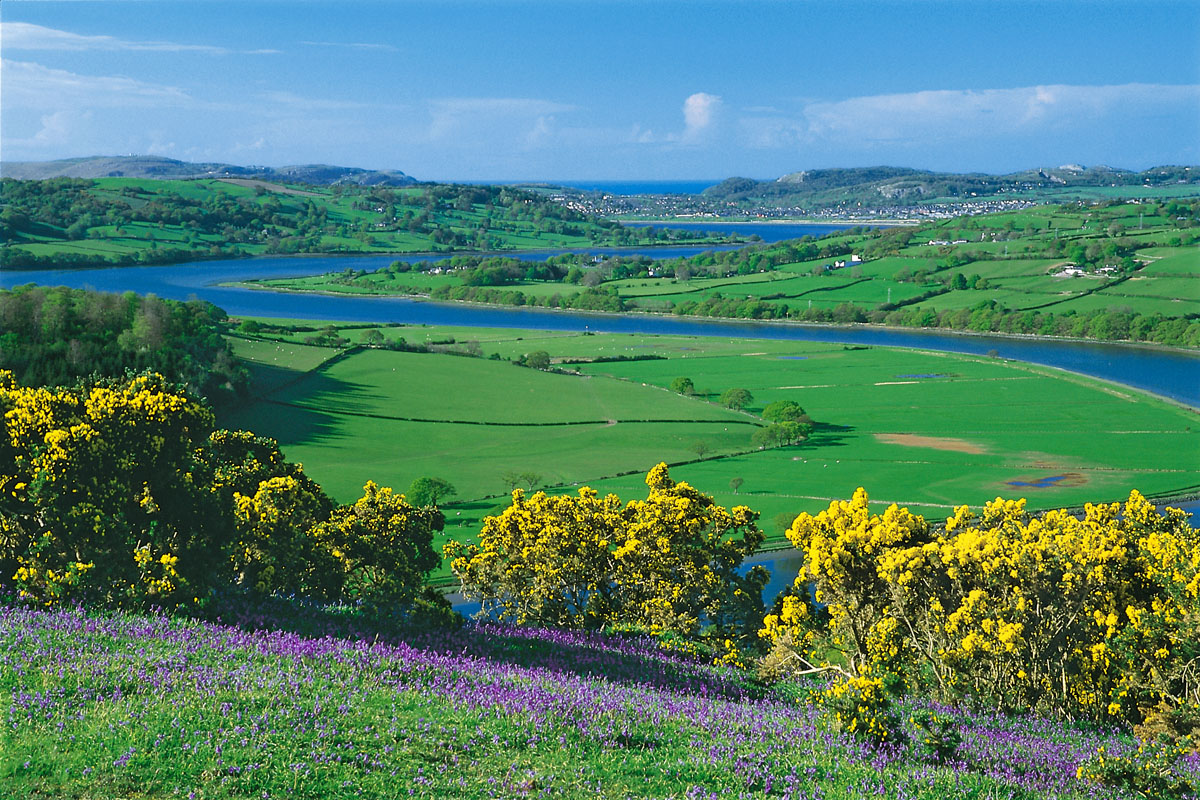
(666, 563)
(859, 705)
(119, 493)
(841, 547)
(382, 545)
(1152, 772)
(1092, 617)
(101, 493)
(274, 550)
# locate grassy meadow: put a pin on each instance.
(148, 221)
(1009, 259)
(115, 705)
(923, 429)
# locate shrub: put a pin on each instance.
(667, 563)
(1151, 772)
(1094, 617)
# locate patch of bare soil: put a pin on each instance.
(933, 442)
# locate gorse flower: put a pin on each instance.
(1094, 616)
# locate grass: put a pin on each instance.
(393, 417)
(421, 219)
(106, 706)
(926, 430)
(1017, 253)
(1173, 261)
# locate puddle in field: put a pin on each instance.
(1050, 481)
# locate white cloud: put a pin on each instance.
(699, 113)
(56, 129)
(354, 45)
(958, 115)
(27, 36)
(30, 85)
(502, 119)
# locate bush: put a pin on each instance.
(1151, 772)
(103, 495)
(1094, 617)
(666, 563)
(118, 493)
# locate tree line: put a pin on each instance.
(450, 216)
(57, 336)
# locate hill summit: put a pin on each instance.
(158, 167)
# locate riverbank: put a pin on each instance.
(1164, 371)
(425, 298)
(699, 221)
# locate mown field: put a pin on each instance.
(926, 430)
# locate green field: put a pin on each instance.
(926, 430)
(1139, 260)
(146, 221)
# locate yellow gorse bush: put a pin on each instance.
(120, 493)
(382, 547)
(1093, 616)
(94, 480)
(668, 563)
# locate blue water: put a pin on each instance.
(1170, 373)
(1174, 374)
(1040, 483)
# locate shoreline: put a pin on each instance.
(854, 222)
(1031, 337)
(419, 298)
(432, 254)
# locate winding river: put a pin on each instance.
(1170, 373)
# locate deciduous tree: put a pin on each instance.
(736, 398)
(428, 491)
(683, 385)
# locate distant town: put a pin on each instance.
(684, 207)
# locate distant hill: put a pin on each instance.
(157, 167)
(881, 186)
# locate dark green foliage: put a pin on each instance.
(785, 411)
(164, 222)
(778, 434)
(683, 385)
(937, 736)
(538, 359)
(736, 398)
(56, 336)
(428, 491)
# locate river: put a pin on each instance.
(1169, 373)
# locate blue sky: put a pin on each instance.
(605, 90)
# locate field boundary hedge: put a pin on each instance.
(752, 423)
